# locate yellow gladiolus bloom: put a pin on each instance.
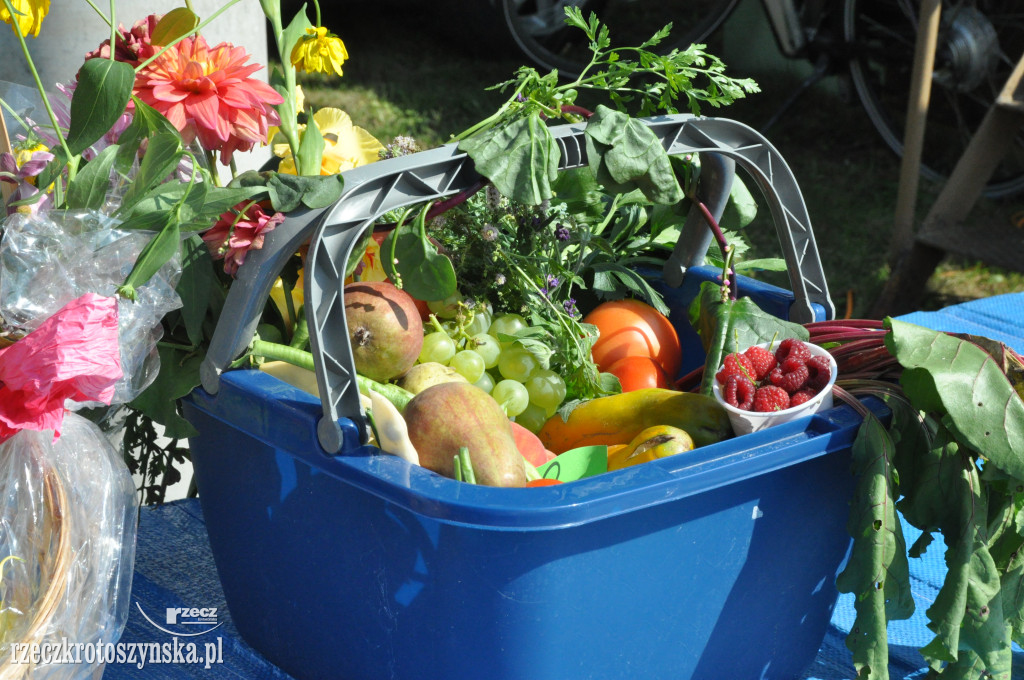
(319, 51)
(346, 146)
(28, 13)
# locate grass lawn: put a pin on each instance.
(410, 74)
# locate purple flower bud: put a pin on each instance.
(562, 233)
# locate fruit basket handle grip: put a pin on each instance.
(375, 189)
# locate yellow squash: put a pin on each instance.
(618, 418)
(660, 441)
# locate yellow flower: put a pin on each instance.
(29, 14)
(346, 146)
(319, 51)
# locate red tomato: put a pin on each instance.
(631, 328)
(543, 481)
(636, 373)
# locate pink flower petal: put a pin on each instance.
(72, 355)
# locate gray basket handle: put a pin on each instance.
(375, 189)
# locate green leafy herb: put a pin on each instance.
(510, 147)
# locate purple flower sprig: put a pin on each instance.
(24, 197)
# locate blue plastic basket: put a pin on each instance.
(717, 564)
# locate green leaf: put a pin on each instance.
(741, 208)
(580, 192)
(89, 189)
(733, 325)
(768, 264)
(630, 220)
(179, 375)
(199, 208)
(155, 254)
(146, 121)
(613, 281)
(177, 23)
(625, 154)
(311, 150)
(197, 280)
(1013, 595)
(968, 611)
(293, 33)
(54, 168)
(161, 158)
(423, 272)
(287, 192)
(520, 158)
(877, 571)
(292, 191)
(323, 191)
(103, 90)
(946, 375)
(147, 221)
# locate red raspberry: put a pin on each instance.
(735, 364)
(791, 375)
(820, 372)
(792, 347)
(802, 396)
(770, 398)
(739, 392)
(762, 360)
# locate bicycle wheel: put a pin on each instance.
(539, 30)
(980, 41)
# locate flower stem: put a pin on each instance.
(211, 160)
(723, 246)
(492, 119)
(113, 31)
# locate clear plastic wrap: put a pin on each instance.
(49, 259)
(68, 504)
(68, 519)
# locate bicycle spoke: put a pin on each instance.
(885, 31)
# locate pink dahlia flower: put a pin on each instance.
(206, 92)
(129, 44)
(237, 232)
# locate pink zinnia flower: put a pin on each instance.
(237, 232)
(206, 92)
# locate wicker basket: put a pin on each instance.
(55, 558)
